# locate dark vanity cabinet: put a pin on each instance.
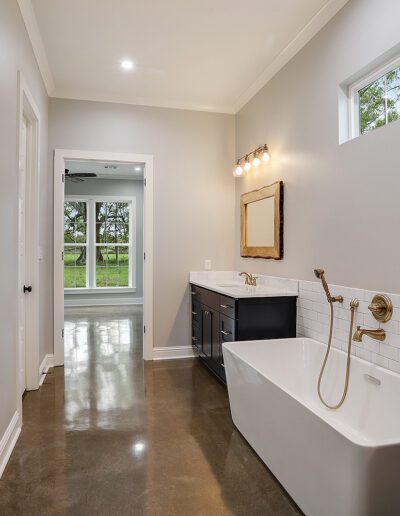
(217, 318)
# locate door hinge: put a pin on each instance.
(62, 333)
(144, 256)
(62, 255)
(144, 182)
(63, 177)
(144, 329)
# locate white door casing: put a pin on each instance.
(60, 157)
(28, 243)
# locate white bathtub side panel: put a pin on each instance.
(324, 472)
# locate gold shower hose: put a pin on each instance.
(353, 305)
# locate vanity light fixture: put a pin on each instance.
(244, 164)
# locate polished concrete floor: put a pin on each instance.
(111, 435)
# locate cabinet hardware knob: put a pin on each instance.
(193, 293)
(224, 332)
(194, 339)
(27, 289)
(194, 313)
(222, 365)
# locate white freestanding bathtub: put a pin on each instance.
(343, 462)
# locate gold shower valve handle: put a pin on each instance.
(381, 308)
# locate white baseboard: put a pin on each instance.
(168, 353)
(76, 302)
(47, 362)
(8, 441)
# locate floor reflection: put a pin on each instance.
(109, 434)
(103, 365)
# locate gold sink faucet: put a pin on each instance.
(378, 334)
(249, 279)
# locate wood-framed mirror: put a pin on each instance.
(262, 222)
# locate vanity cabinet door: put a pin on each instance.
(206, 326)
(210, 334)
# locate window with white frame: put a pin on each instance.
(375, 99)
(99, 243)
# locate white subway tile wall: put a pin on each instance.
(313, 318)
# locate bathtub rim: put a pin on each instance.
(319, 412)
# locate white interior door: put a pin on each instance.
(22, 255)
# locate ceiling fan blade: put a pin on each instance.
(79, 174)
(82, 174)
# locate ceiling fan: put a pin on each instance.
(78, 177)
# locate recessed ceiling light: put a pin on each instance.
(138, 169)
(126, 64)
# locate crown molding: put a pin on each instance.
(321, 18)
(32, 28)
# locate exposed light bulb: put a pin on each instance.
(238, 170)
(256, 161)
(265, 156)
(247, 165)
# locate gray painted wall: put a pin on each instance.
(122, 187)
(341, 201)
(16, 54)
(193, 190)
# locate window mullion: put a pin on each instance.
(91, 243)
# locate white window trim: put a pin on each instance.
(355, 87)
(90, 244)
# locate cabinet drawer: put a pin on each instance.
(196, 313)
(227, 306)
(195, 293)
(196, 337)
(226, 328)
(205, 297)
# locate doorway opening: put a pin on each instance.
(28, 369)
(102, 241)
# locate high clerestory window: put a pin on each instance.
(99, 243)
(375, 100)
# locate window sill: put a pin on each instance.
(100, 290)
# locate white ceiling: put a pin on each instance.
(211, 55)
(107, 170)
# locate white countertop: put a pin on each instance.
(230, 284)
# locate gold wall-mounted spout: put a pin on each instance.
(378, 334)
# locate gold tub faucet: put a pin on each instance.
(378, 334)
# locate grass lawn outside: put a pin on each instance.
(112, 272)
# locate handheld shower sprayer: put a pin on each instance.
(320, 274)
